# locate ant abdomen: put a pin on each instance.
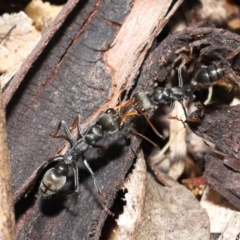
(53, 180)
(207, 76)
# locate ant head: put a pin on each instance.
(142, 101)
(111, 121)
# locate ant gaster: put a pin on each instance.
(208, 76)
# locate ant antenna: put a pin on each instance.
(150, 124)
(144, 137)
(184, 109)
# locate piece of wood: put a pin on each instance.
(7, 219)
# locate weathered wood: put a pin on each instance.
(220, 125)
(7, 219)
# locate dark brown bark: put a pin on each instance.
(220, 124)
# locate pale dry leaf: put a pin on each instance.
(232, 229)
(235, 102)
(213, 10)
(177, 22)
(219, 210)
(6, 77)
(172, 163)
(135, 184)
(20, 41)
(172, 213)
(178, 148)
(37, 10)
(233, 14)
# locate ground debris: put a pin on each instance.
(172, 213)
(219, 124)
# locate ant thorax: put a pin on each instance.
(80, 147)
(94, 134)
(69, 158)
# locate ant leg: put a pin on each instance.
(97, 187)
(176, 118)
(69, 137)
(76, 177)
(134, 113)
(92, 174)
(150, 124)
(142, 136)
(173, 105)
(76, 122)
(157, 174)
(123, 105)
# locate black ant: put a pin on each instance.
(204, 78)
(55, 178)
(113, 120)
